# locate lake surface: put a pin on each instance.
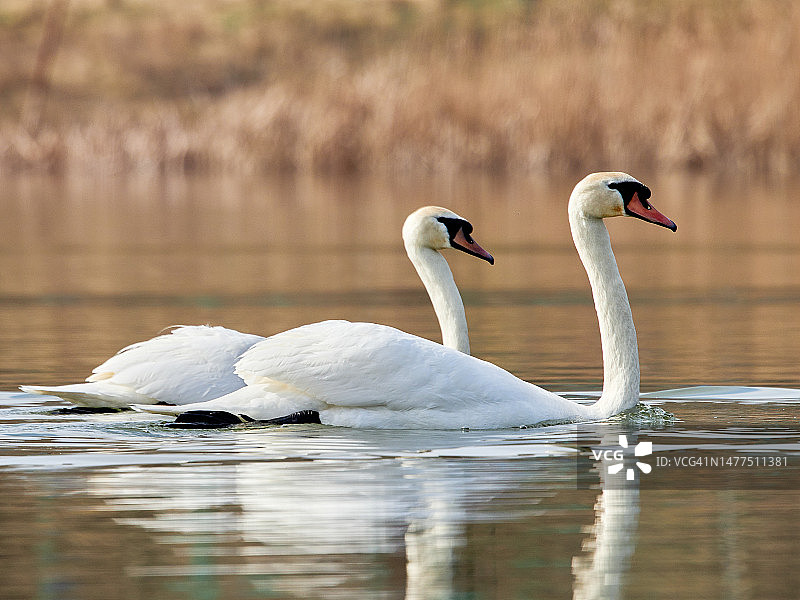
(119, 506)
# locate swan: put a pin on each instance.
(373, 376)
(195, 363)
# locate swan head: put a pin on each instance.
(602, 195)
(438, 228)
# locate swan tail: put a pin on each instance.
(90, 395)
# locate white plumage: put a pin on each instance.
(368, 375)
(196, 363)
(190, 363)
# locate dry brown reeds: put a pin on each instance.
(404, 86)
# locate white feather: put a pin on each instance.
(196, 363)
(403, 381)
(189, 364)
(368, 375)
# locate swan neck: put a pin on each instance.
(438, 280)
(617, 331)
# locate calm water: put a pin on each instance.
(118, 506)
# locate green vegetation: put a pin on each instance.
(400, 85)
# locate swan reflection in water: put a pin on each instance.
(600, 571)
(333, 524)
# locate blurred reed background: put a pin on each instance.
(400, 86)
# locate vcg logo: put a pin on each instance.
(617, 457)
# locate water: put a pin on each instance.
(118, 506)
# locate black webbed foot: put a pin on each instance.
(301, 416)
(213, 419)
(207, 419)
(86, 410)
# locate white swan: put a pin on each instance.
(196, 363)
(367, 375)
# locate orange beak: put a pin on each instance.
(646, 212)
(465, 243)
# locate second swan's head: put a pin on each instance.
(438, 228)
(602, 195)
